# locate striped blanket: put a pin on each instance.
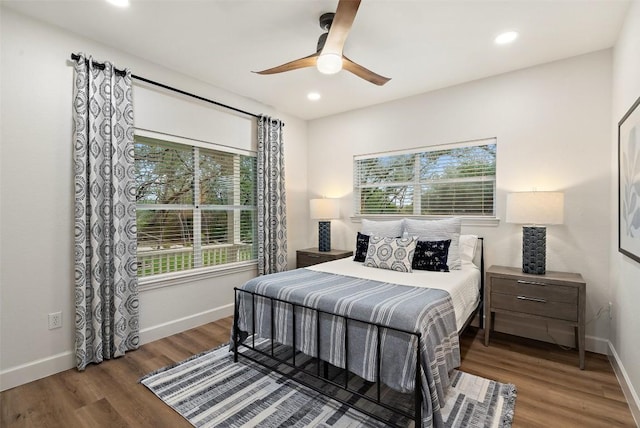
(425, 310)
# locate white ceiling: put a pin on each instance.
(422, 45)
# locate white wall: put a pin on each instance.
(553, 131)
(625, 290)
(36, 201)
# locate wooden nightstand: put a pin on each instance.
(557, 296)
(312, 256)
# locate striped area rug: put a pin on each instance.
(209, 390)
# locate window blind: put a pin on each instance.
(195, 206)
(456, 180)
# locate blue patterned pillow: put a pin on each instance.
(390, 253)
(432, 256)
(362, 245)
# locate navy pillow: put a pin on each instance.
(431, 256)
(362, 245)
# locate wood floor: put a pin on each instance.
(552, 391)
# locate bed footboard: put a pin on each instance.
(322, 374)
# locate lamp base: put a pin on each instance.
(534, 249)
(324, 236)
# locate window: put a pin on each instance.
(451, 180)
(195, 206)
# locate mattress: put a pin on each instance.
(462, 285)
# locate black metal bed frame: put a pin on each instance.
(324, 378)
(417, 394)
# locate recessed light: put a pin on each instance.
(313, 96)
(506, 37)
(119, 3)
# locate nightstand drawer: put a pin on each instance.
(535, 306)
(535, 289)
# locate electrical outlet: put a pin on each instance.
(55, 320)
(610, 310)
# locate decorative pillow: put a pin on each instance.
(431, 255)
(391, 228)
(438, 230)
(362, 245)
(390, 253)
(468, 245)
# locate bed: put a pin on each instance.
(395, 329)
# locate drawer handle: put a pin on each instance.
(522, 281)
(532, 299)
(313, 256)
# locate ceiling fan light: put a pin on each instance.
(329, 63)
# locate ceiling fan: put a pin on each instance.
(328, 57)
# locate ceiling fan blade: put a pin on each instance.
(307, 61)
(340, 27)
(362, 72)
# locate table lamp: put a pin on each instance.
(535, 210)
(324, 210)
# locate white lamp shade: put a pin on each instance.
(535, 208)
(324, 209)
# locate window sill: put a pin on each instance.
(466, 221)
(184, 277)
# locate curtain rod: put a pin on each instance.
(100, 65)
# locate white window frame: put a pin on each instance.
(197, 273)
(467, 220)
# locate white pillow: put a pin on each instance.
(390, 253)
(391, 229)
(438, 230)
(468, 246)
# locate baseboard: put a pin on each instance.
(159, 331)
(553, 334)
(627, 388)
(34, 370)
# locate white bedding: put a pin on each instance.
(463, 285)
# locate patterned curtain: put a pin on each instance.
(272, 219)
(106, 285)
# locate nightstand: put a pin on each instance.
(312, 256)
(554, 296)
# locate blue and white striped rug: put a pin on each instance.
(209, 390)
